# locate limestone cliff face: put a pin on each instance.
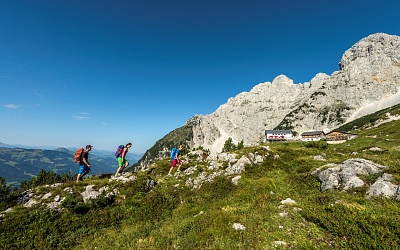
(368, 80)
(369, 73)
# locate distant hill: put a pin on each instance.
(18, 164)
(134, 157)
(4, 145)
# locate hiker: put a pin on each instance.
(121, 154)
(84, 165)
(175, 160)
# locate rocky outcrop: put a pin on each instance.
(30, 198)
(216, 161)
(347, 176)
(383, 187)
(91, 193)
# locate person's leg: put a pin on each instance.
(119, 165)
(80, 172)
(173, 164)
(179, 166)
(125, 164)
(85, 171)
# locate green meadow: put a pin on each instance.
(173, 215)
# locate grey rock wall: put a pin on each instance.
(369, 73)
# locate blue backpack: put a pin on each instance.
(173, 153)
(119, 151)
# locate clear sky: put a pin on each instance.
(110, 72)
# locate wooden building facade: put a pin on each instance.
(340, 136)
(278, 135)
(313, 136)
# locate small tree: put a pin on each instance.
(240, 145)
(45, 177)
(4, 188)
(205, 154)
(228, 145)
(67, 177)
(23, 186)
(7, 198)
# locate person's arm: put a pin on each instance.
(86, 161)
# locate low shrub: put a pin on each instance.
(321, 144)
(356, 226)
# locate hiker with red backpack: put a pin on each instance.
(120, 154)
(82, 156)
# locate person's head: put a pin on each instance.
(180, 147)
(128, 145)
(88, 147)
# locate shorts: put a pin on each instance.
(174, 162)
(83, 169)
(122, 163)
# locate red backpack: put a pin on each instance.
(78, 155)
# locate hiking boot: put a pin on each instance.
(169, 175)
(178, 171)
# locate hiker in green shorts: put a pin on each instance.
(122, 162)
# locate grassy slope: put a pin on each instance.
(322, 222)
(172, 216)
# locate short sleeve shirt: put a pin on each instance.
(177, 153)
(85, 155)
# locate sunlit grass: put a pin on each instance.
(175, 216)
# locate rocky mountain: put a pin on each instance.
(18, 164)
(368, 80)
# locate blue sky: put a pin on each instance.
(111, 72)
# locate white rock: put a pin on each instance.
(346, 174)
(288, 201)
(238, 226)
(278, 243)
(46, 196)
(383, 187)
(235, 180)
(283, 214)
(201, 212)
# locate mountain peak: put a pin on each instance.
(369, 74)
(282, 80)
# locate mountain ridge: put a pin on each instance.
(369, 74)
(98, 152)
